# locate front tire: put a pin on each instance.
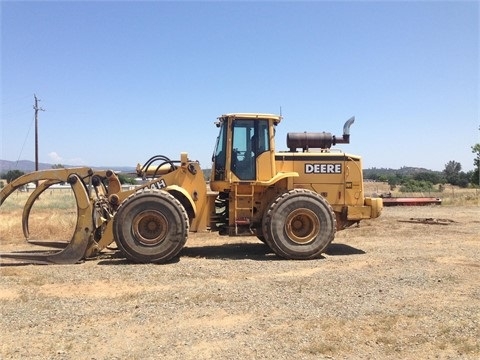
(299, 224)
(150, 226)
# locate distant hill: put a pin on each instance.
(22, 165)
(29, 166)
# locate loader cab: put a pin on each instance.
(245, 149)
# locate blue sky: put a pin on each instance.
(123, 81)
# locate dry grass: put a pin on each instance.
(52, 217)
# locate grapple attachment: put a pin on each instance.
(94, 210)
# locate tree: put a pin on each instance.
(475, 179)
(463, 179)
(12, 175)
(126, 179)
(452, 171)
(411, 185)
(429, 176)
(476, 150)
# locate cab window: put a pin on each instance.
(250, 139)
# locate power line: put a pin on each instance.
(24, 142)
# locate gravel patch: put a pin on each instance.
(384, 290)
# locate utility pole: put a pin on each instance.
(37, 109)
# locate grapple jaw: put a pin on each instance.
(93, 213)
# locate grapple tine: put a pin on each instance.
(31, 200)
(71, 254)
(51, 244)
(24, 258)
(59, 175)
(82, 240)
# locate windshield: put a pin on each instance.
(219, 154)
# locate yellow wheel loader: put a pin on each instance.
(294, 200)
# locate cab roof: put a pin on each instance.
(276, 118)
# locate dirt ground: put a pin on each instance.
(388, 289)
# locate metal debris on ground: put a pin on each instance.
(429, 221)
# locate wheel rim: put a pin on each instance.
(150, 227)
(302, 226)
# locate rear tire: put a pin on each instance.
(150, 226)
(299, 224)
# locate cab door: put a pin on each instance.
(251, 155)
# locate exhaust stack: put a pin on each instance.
(321, 140)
